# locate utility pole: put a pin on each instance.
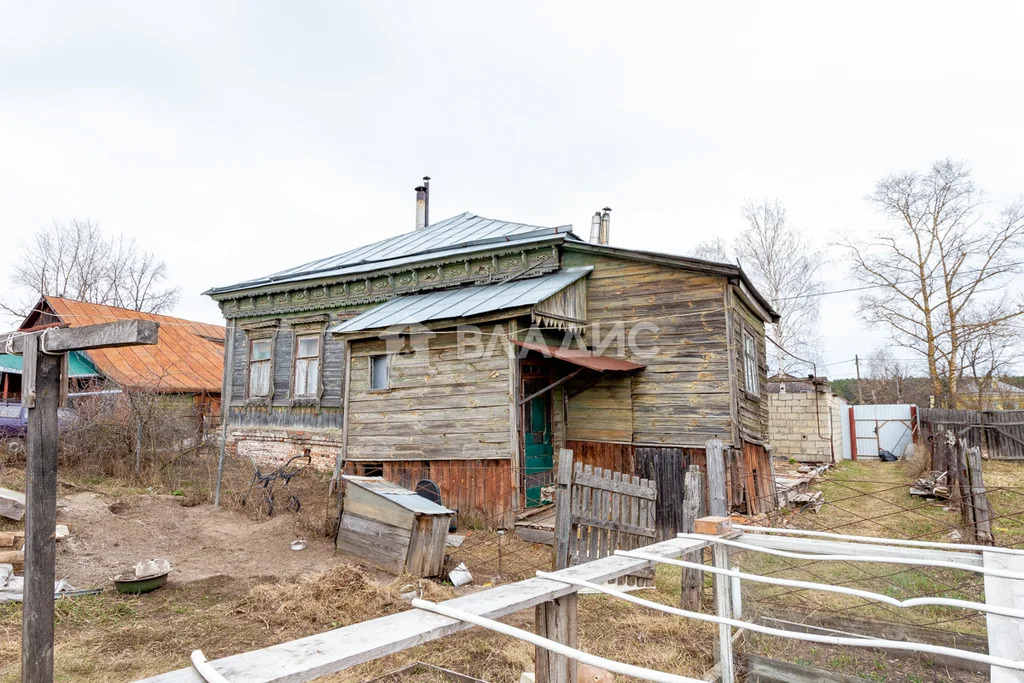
(860, 397)
(44, 381)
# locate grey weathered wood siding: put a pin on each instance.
(284, 342)
(602, 412)
(240, 362)
(450, 408)
(333, 372)
(753, 407)
(682, 397)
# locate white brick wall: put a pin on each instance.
(796, 425)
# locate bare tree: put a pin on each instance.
(989, 353)
(887, 377)
(784, 266)
(934, 267)
(76, 260)
(712, 249)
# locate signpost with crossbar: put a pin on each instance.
(44, 362)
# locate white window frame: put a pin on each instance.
(267, 363)
(751, 374)
(386, 359)
(315, 361)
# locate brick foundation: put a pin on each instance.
(269, 446)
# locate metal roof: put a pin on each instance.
(78, 365)
(586, 359)
(462, 302)
(399, 495)
(464, 233)
(188, 358)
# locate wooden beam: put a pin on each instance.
(563, 509)
(692, 579)
(557, 382)
(104, 335)
(556, 620)
(40, 520)
(716, 478)
(325, 653)
(824, 548)
(723, 608)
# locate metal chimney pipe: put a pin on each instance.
(606, 224)
(595, 228)
(423, 204)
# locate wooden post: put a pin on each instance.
(563, 509)
(40, 519)
(976, 498)
(692, 579)
(1005, 634)
(723, 609)
(225, 404)
(716, 478)
(556, 620)
(42, 376)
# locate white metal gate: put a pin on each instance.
(869, 429)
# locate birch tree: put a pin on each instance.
(76, 260)
(938, 267)
(784, 266)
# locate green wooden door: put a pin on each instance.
(538, 450)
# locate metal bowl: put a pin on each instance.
(130, 584)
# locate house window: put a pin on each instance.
(750, 362)
(259, 367)
(380, 373)
(307, 365)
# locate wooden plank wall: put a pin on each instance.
(750, 489)
(447, 408)
(753, 408)
(602, 412)
(999, 433)
(480, 490)
(617, 457)
(683, 394)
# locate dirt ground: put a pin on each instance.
(108, 536)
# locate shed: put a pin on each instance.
(391, 527)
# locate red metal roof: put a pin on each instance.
(586, 359)
(186, 359)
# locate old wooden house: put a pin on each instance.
(470, 350)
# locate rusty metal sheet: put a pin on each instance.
(586, 359)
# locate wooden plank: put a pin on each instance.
(563, 508)
(822, 547)
(40, 520)
(12, 504)
(760, 669)
(1005, 634)
(602, 483)
(368, 540)
(104, 335)
(13, 557)
(12, 539)
(556, 620)
(614, 526)
(322, 654)
(716, 478)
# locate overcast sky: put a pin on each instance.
(237, 139)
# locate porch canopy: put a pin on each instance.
(584, 359)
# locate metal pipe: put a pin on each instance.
(606, 224)
(810, 585)
(889, 541)
(551, 645)
(783, 633)
(595, 228)
(989, 571)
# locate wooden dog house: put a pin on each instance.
(391, 527)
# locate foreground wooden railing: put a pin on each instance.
(326, 653)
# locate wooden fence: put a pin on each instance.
(998, 433)
(610, 511)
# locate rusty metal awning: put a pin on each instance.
(585, 359)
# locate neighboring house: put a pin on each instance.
(185, 366)
(805, 419)
(989, 394)
(364, 359)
